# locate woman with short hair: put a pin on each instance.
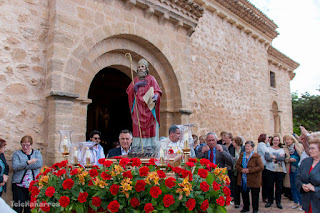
(250, 166)
(4, 168)
(26, 164)
(308, 178)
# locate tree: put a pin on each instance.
(306, 112)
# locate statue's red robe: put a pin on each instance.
(146, 117)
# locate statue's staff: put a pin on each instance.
(128, 55)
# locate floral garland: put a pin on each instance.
(130, 186)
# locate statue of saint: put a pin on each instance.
(144, 102)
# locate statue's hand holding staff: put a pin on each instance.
(140, 84)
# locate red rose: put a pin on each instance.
(61, 172)
(148, 207)
(33, 202)
(215, 186)
(204, 161)
(220, 201)
(74, 172)
(31, 184)
(228, 200)
(134, 202)
(204, 186)
(93, 173)
(152, 161)
(127, 174)
(95, 167)
(50, 191)
(107, 163)
(44, 206)
(46, 171)
(190, 164)
(170, 151)
(114, 206)
(155, 191)
(68, 183)
(114, 189)
(140, 185)
(90, 183)
(204, 205)
(190, 204)
(203, 173)
(63, 163)
(101, 160)
(185, 173)
(193, 160)
(64, 201)
(136, 162)
(105, 176)
(168, 200)
(34, 191)
(161, 174)
(82, 197)
(124, 161)
(212, 165)
(143, 171)
(170, 182)
(226, 191)
(118, 157)
(176, 170)
(96, 201)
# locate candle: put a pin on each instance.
(161, 153)
(64, 144)
(186, 138)
(75, 155)
(87, 156)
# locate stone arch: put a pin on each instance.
(110, 52)
(275, 119)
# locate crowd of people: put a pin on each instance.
(276, 164)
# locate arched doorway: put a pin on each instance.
(109, 111)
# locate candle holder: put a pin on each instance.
(86, 157)
(186, 141)
(65, 143)
(74, 155)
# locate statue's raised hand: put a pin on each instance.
(140, 84)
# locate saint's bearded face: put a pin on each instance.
(142, 71)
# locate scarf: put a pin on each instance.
(244, 165)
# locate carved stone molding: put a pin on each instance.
(182, 13)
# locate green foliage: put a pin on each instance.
(306, 112)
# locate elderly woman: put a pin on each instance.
(262, 148)
(293, 149)
(275, 170)
(308, 178)
(26, 164)
(250, 168)
(238, 149)
(4, 168)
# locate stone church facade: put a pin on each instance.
(63, 66)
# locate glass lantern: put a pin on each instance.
(186, 140)
(74, 154)
(87, 158)
(65, 142)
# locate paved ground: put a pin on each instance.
(286, 204)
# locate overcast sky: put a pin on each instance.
(299, 27)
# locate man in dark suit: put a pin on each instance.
(216, 153)
(125, 139)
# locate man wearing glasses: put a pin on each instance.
(97, 149)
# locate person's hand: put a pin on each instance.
(32, 161)
(205, 148)
(245, 171)
(155, 98)
(219, 148)
(310, 187)
(5, 178)
(305, 188)
(292, 160)
(140, 84)
(303, 131)
(2, 184)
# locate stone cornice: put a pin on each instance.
(279, 59)
(182, 13)
(245, 16)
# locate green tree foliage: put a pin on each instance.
(306, 112)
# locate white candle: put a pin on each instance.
(186, 137)
(161, 153)
(75, 152)
(87, 152)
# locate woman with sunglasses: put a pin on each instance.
(26, 164)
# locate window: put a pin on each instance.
(272, 79)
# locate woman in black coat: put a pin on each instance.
(308, 178)
(4, 168)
